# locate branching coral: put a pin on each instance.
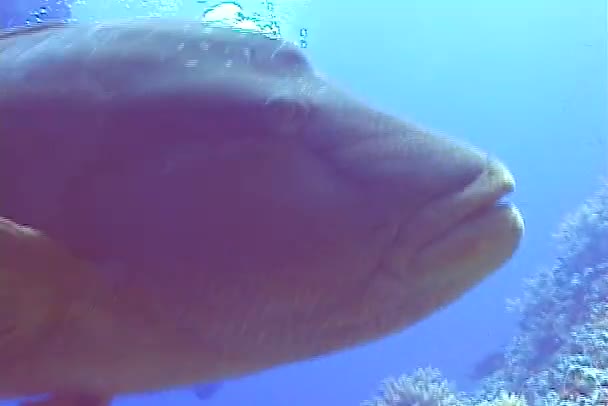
(506, 399)
(564, 312)
(425, 387)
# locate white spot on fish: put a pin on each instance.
(276, 51)
(191, 63)
(247, 55)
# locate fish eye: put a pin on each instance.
(287, 111)
(291, 58)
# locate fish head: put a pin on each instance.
(316, 220)
(371, 223)
(275, 216)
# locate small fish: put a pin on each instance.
(207, 390)
(487, 365)
(184, 203)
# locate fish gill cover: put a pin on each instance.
(559, 355)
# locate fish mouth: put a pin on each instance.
(459, 238)
(449, 247)
(436, 256)
(482, 200)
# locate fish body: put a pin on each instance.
(185, 203)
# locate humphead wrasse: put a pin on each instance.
(185, 203)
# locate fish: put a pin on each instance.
(187, 203)
(487, 365)
(206, 391)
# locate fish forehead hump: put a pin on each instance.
(182, 67)
(201, 47)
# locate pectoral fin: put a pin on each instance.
(35, 278)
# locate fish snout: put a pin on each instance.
(462, 205)
(446, 225)
(450, 245)
(440, 199)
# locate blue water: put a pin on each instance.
(525, 80)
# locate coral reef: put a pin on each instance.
(425, 387)
(505, 399)
(559, 355)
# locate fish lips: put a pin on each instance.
(459, 239)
